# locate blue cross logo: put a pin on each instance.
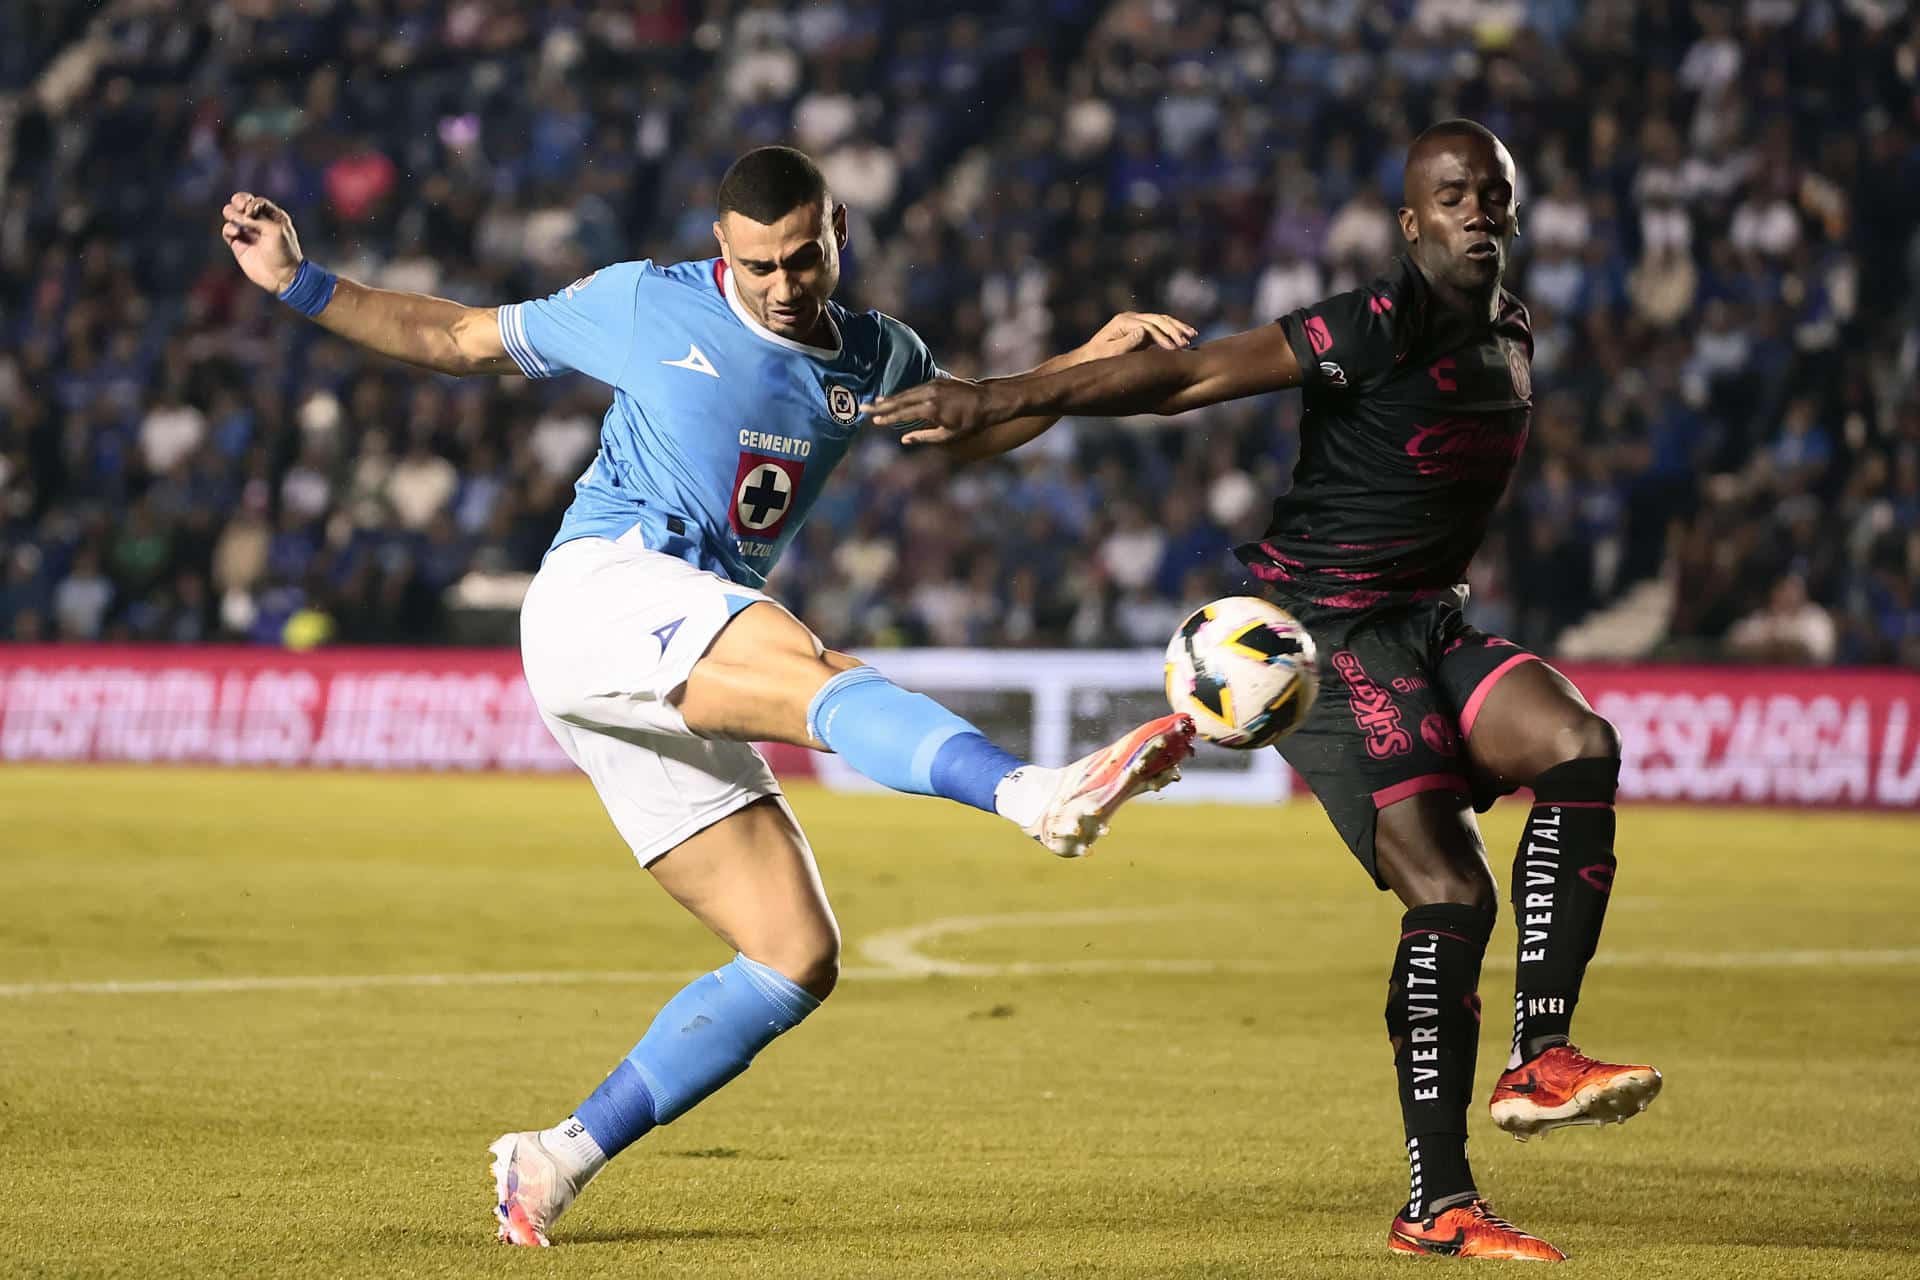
(764, 496)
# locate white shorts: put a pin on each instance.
(609, 632)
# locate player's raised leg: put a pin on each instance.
(1526, 725)
(751, 878)
(768, 678)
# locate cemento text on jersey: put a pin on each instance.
(775, 444)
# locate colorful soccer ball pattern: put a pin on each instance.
(1245, 671)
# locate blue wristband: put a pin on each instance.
(311, 290)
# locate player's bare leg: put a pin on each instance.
(1533, 729)
(758, 680)
(768, 678)
(1427, 849)
(751, 878)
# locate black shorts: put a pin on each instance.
(1400, 686)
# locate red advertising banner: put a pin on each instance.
(1718, 735)
(462, 709)
(437, 709)
(1763, 735)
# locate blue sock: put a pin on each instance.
(905, 740)
(702, 1038)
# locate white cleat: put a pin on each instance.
(530, 1189)
(1093, 787)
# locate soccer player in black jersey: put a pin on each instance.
(1418, 397)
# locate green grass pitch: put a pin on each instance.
(1166, 1060)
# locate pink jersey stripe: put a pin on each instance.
(1481, 690)
(1414, 786)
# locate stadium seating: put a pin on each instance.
(1719, 256)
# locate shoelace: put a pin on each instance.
(1484, 1211)
(1581, 1060)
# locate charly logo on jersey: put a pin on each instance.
(842, 404)
(696, 361)
(764, 489)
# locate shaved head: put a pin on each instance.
(1460, 208)
(1433, 138)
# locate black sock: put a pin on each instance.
(1562, 876)
(1433, 1020)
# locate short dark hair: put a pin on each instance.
(768, 183)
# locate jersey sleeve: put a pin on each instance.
(904, 361)
(587, 326)
(904, 358)
(1345, 340)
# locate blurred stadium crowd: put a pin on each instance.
(1719, 251)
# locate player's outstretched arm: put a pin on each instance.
(431, 332)
(1128, 331)
(1153, 380)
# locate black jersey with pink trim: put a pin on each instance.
(1415, 417)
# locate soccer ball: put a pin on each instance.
(1245, 670)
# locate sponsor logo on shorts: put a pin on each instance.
(1374, 711)
(1438, 733)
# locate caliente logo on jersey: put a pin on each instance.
(764, 488)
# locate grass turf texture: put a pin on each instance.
(1098, 1123)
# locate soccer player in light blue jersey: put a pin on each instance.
(650, 649)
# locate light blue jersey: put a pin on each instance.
(721, 432)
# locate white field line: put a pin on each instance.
(897, 955)
(899, 950)
(1866, 958)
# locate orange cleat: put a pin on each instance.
(1092, 788)
(1470, 1230)
(1564, 1087)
